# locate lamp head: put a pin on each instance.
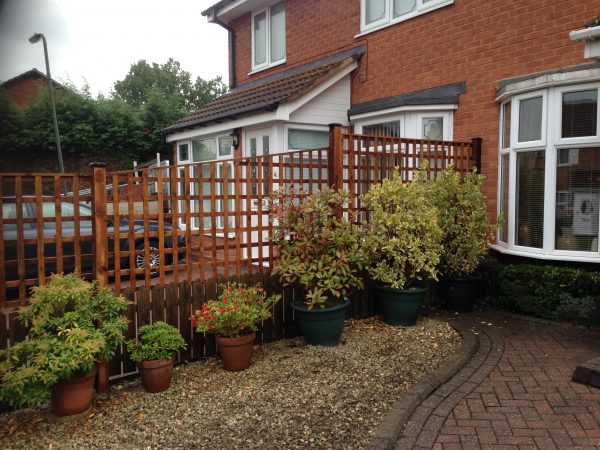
(35, 38)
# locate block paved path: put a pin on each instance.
(515, 392)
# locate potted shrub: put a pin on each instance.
(463, 218)
(234, 319)
(153, 352)
(320, 250)
(403, 243)
(73, 324)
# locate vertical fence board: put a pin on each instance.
(185, 312)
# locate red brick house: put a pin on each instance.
(24, 90)
(521, 74)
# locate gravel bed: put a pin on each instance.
(292, 397)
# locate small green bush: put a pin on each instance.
(463, 218)
(156, 341)
(550, 292)
(73, 324)
(403, 239)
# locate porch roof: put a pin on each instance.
(264, 95)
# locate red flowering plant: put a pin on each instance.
(236, 312)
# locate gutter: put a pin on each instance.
(591, 37)
(212, 16)
(587, 34)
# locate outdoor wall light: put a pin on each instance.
(235, 138)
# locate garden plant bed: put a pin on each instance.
(293, 396)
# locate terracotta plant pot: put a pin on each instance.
(156, 374)
(73, 396)
(236, 353)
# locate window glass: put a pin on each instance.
(530, 119)
(183, 152)
(433, 128)
(9, 211)
(224, 146)
(402, 7)
(577, 199)
(260, 38)
(383, 129)
(579, 113)
(504, 174)
(506, 125)
(307, 139)
(204, 150)
(277, 31)
(375, 10)
(530, 199)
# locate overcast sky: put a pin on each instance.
(98, 40)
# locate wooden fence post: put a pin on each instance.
(476, 147)
(100, 249)
(335, 157)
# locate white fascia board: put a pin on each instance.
(546, 81)
(284, 110)
(383, 112)
(585, 34)
(247, 121)
(236, 8)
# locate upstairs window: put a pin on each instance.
(268, 36)
(380, 13)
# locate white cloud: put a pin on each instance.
(98, 40)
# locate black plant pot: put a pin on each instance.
(460, 294)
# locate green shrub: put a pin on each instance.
(403, 237)
(156, 341)
(318, 249)
(463, 218)
(73, 324)
(550, 292)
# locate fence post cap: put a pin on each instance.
(97, 164)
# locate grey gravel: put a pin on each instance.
(292, 397)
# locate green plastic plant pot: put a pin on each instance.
(399, 306)
(460, 293)
(321, 326)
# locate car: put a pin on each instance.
(67, 211)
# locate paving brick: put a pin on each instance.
(520, 396)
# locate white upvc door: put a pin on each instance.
(258, 147)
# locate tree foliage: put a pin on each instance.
(123, 127)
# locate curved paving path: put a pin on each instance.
(514, 393)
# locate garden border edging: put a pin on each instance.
(388, 432)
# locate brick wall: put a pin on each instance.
(476, 41)
(24, 92)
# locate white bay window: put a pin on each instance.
(549, 173)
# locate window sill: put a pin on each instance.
(593, 258)
(270, 66)
(404, 18)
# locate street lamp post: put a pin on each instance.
(33, 39)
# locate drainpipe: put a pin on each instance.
(232, 77)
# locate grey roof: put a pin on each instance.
(268, 93)
(31, 73)
(441, 95)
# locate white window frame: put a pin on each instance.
(551, 142)
(411, 121)
(268, 63)
(423, 7)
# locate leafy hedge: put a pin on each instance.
(550, 292)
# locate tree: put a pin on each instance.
(169, 80)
